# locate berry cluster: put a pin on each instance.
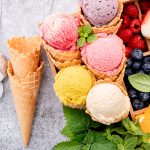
(137, 63)
(130, 30)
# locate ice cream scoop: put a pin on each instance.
(104, 55)
(72, 85)
(107, 103)
(60, 31)
(99, 12)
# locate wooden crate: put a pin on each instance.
(132, 112)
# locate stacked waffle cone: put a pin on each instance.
(24, 71)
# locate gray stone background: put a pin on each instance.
(21, 18)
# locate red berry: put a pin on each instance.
(137, 42)
(128, 51)
(126, 21)
(125, 34)
(135, 25)
(131, 10)
(144, 6)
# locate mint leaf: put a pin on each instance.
(67, 146)
(80, 30)
(77, 121)
(146, 146)
(81, 42)
(118, 130)
(82, 34)
(125, 123)
(87, 29)
(116, 139)
(80, 137)
(85, 147)
(140, 82)
(139, 149)
(94, 124)
(91, 38)
(130, 141)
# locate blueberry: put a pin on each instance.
(137, 54)
(137, 104)
(140, 71)
(146, 59)
(129, 72)
(136, 65)
(133, 93)
(129, 62)
(146, 67)
(144, 96)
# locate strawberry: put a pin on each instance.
(135, 25)
(125, 34)
(137, 42)
(144, 6)
(126, 21)
(128, 51)
(131, 10)
(145, 28)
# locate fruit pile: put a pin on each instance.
(137, 63)
(130, 30)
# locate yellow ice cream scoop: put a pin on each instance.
(72, 85)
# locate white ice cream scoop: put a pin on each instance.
(3, 65)
(107, 103)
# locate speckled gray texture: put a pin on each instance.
(21, 18)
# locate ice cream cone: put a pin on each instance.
(66, 63)
(63, 56)
(24, 95)
(25, 54)
(109, 28)
(103, 76)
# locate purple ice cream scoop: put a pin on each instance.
(99, 12)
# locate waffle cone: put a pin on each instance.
(25, 54)
(109, 28)
(24, 95)
(62, 56)
(64, 64)
(103, 76)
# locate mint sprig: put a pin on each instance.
(140, 82)
(85, 35)
(85, 134)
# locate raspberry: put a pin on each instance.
(137, 42)
(135, 25)
(131, 10)
(128, 51)
(125, 34)
(144, 6)
(126, 21)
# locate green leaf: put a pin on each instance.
(82, 34)
(87, 29)
(85, 147)
(125, 123)
(77, 121)
(140, 82)
(94, 124)
(81, 42)
(118, 130)
(146, 146)
(120, 147)
(80, 30)
(130, 141)
(67, 146)
(80, 137)
(116, 139)
(91, 38)
(139, 148)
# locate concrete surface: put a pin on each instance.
(21, 18)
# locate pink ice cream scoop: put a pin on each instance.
(99, 12)
(105, 54)
(60, 31)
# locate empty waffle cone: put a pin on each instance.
(114, 77)
(64, 64)
(24, 95)
(25, 54)
(109, 28)
(63, 56)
